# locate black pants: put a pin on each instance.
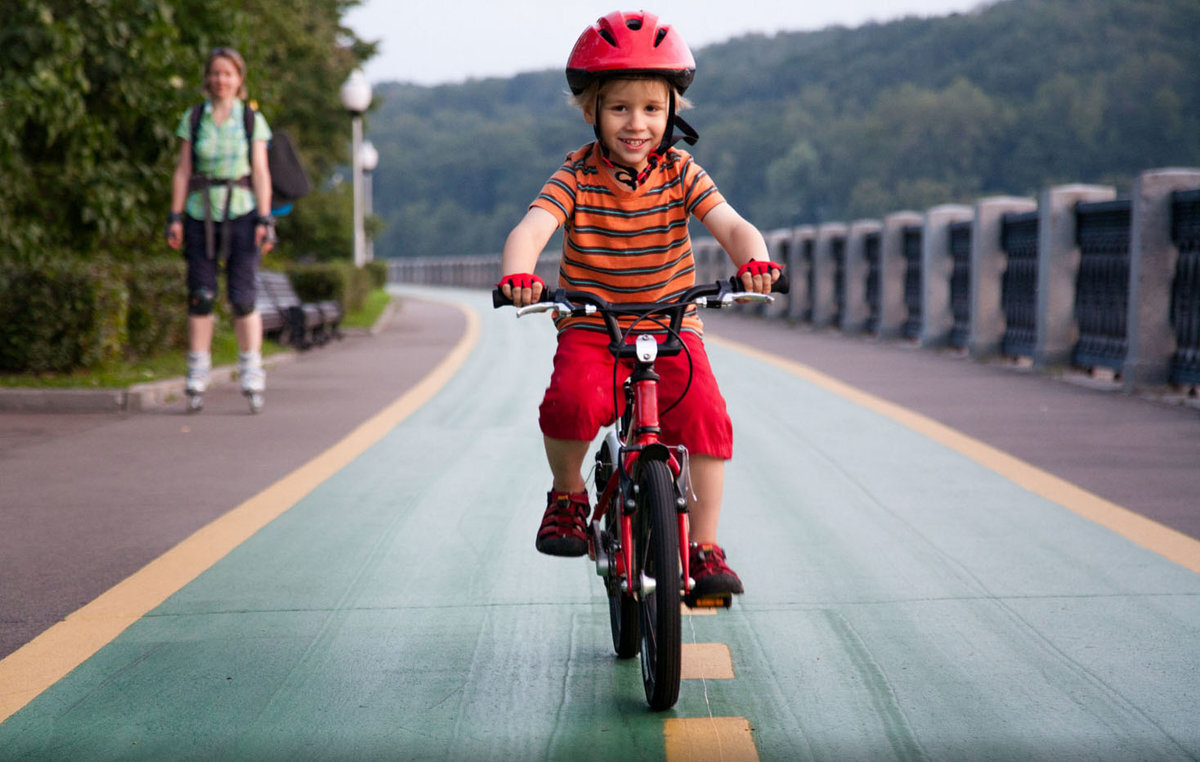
(241, 267)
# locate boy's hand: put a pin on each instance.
(758, 276)
(522, 288)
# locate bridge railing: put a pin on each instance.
(1076, 277)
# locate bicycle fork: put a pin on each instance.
(643, 430)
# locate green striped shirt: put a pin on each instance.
(221, 152)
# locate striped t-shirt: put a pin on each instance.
(627, 245)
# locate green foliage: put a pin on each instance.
(157, 320)
(338, 281)
(319, 227)
(829, 125)
(62, 313)
(377, 274)
(91, 94)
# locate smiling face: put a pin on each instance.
(223, 78)
(632, 118)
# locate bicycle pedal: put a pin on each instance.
(719, 601)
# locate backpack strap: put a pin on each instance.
(197, 113)
(203, 183)
(248, 122)
(194, 119)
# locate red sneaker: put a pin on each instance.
(716, 583)
(564, 526)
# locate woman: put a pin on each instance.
(221, 212)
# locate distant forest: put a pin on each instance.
(837, 124)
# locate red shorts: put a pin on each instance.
(579, 399)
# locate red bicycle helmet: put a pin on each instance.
(630, 43)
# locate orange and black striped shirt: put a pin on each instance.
(625, 245)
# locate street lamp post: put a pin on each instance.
(369, 160)
(356, 97)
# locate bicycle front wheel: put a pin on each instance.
(656, 561)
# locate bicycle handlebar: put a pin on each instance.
(578, 303)
(725, 291)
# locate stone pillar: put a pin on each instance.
(779, 244)
(937, 315)
(799, 268)
(988, 263)
(823, 266)
(1058, 270)
(892, 312)
(1152, 260)
(855, 310)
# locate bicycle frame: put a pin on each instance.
(637, 438)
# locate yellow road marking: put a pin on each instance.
(710, 739)
(706, 661)
(1166, 542)
(30, 670)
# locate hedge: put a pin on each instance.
(341, 282)
(157, 319)
(64, 312)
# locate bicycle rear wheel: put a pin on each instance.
(622, 607)
(656, 556)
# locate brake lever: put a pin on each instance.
(734, 296)
(560, 307)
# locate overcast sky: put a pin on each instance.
(454, 40)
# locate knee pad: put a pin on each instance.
(201, 302)
(242, 309)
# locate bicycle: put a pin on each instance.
(638, 535)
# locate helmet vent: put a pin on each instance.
(633, 24)
(608, 37)
(658, 38)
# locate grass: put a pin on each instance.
(172, 364)
(377, 302)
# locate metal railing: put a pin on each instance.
(1018, 294)
(1102, 286)
(960, 283)
(837, 250)
(1185, 292)
(912, 236)
(872, 252)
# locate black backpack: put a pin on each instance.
(289, 181)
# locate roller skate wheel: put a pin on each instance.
(256, 401)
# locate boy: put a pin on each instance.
(624, 202)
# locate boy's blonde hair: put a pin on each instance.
(587, 99)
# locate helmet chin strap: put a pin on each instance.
(632, 177)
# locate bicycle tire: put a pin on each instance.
(622, 607)
(656, 554)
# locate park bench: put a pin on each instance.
(274, 321)
(302, 324)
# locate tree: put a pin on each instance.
(91, 94)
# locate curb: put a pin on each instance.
(133, 399)
(146, 396)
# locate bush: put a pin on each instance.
(377, 270)
(62, 313)
(157, 307)
(338, 281)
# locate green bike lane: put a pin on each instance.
(904, 601)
